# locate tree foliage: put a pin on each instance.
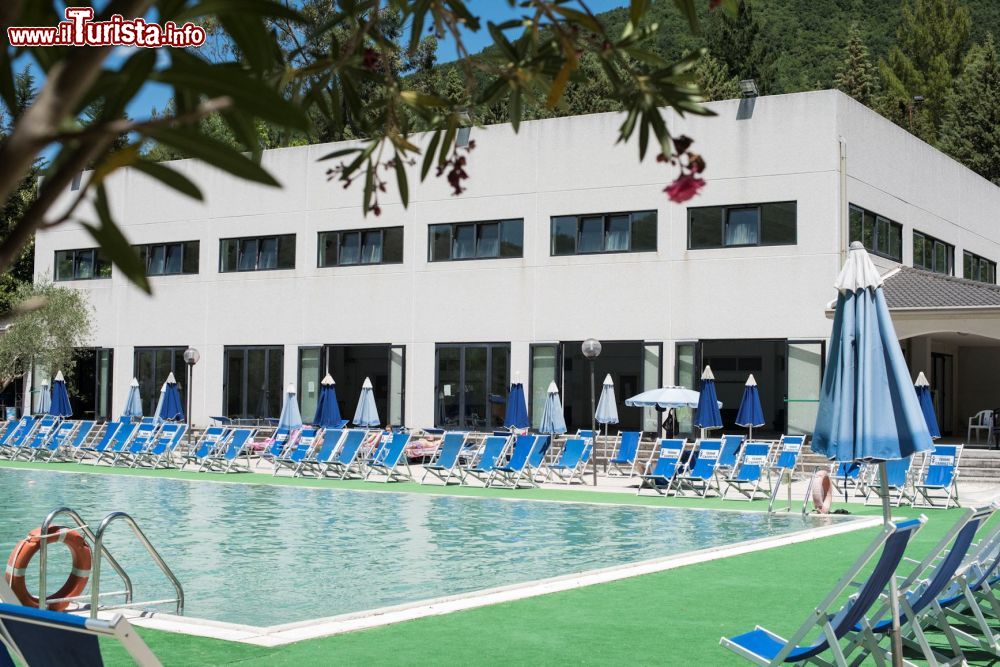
(51, 323)
(739, 42)
(857, 76)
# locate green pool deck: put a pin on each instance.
(674, 617)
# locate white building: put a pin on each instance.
(589, 246)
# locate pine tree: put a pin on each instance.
(930, 46)
(970, 132)
(857, 76)
(714, 80)
(739, 43)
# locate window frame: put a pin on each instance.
(338, 235)
(259, 242)
(606, 218)
(876, 218)
(477, 226)
(977, 263)
(725, 209)
(934, 243)
(143, 250)
(96, 258)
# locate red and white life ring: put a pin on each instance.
(20, 558)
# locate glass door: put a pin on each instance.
(805, 376)
(471, 387)
(544, 370)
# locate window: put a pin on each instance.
(151, 367)
(168, 259)
(263, 253)
(605, 232)
(932, 254)
(879, 235)
(361, 246)
(978, 268)
(745, 225)
(472, 385)
(475, 240)
(252, 382)
(86, 264)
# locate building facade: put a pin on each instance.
(561, 236)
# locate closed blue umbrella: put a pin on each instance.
(327, 409)
(607, 406)
(553, 421)
(171, 407)
(923, 389)
(60, 398)
(707, 416)
(133, 402)
(516, 415)
(867, 409)
(290, 417)
(44, 400)
(750, 413)
(367, 413)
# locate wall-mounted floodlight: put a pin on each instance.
(748, 87)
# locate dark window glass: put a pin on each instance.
(969, 266)
(512, 238)
(564, 235)
(773, 223)
(643, 232)
(705, 227)
(618, 238)
(742, 226)
(591, 235)
(392, 245)
(64, 265)
(192, 251)
(85, 264)
(165, 259)
(880, 235)
(488, 243)
(173, 261)
(350, 248)
(371, 247)
(328, 248)
(476, 240)
(359, 246)
(933, 254)
(919, 258)
(152, 366)
(267, 255)
(286, 252)
(258, 254)
(155, 263)
(856, 223)
(896, 242)
(463, 242)
(253, 382)
(868, 236)
(248, 255)
(440, 243)
(778, 223)
(230, 255)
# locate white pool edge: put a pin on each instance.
(278, 635)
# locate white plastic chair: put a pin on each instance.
(981, 421)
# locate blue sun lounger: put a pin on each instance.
(489, 457)
(391, 460)
(68, 446)
(847, 475)
(210, 440)
(17, 435)
(346, 462)
(572, 461)
(102, 445)
(142, 439)
(938, 480)
(789, 449)
(122, 436)
(664, 472)
(300, 447)
(160, 452)
(766, 648)
(45, 426)
(623, 462)
(897, 477)
(230, 452)
(41, 637)
(312, 464)
(730, 452)
(518, 469)
(702, 476)
(750, 472)
(444, 466)
(57, 437)
(278, 443)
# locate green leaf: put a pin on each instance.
(515, 108)
(214, 152)
(688, 9)
(267, 8)
(170, 178)
(637, 9)
(7, 91)
(369, 187)
(341, 153)
(404, 188)
(114, 244)
(643, 136)
(417, 99)
(579, 18)
(429, 155)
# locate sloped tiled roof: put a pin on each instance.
(907, 287)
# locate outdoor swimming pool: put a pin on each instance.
(263, 555)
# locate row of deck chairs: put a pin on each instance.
(923, 480)
(950, 591)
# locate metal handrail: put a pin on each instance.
(99, 550)
(83, 528)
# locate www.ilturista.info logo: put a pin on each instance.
(79, 29)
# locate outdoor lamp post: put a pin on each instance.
(591, 349)
(191, 357)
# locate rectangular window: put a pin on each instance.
(85, 264)
(265, 253)
(603, 233)
(169, 259)
(978, 268)
(933, 254)
(880, 236)
(252, 379)
(361, 246)
(151, 367)
(773, 223)
(475, 240)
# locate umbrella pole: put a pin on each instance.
(895, 635)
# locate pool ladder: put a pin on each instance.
(100, 552)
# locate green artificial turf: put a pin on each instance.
(674, 617)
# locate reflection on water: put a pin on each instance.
(263, 555)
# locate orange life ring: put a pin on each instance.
(822, 492)
(20, 558)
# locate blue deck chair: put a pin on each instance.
(750, 472)
(122, 436)
(8, 430)
(58, 437)
(766, 648)
(277, 445)
(518, 469)
(623, 462)
(346, 462)
(102, 445)
(298, 451)
(938, 480)
(572, 461)
(919, 592)
(160, 452)
(19, 435)
(662, 475)
(206, 445)
(232, 454)
(702, 477)
(847, 475)
(444, 465)
(730, 453)
(45, 426)
(312, 464)
(68, 449)
(898, 479)
(391, 460)
(142, 440)
(489, 457)
(42, 637)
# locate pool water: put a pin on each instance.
(264, 555)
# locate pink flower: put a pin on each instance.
(685, 187)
